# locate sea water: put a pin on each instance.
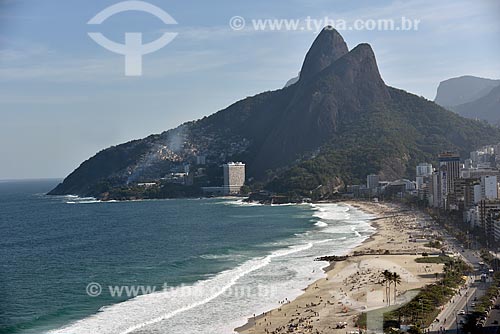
(211, 262)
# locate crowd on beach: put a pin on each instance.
(333, 304)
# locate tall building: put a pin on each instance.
(234, 177)
(372, 181)
(434, 190)
(449, 167)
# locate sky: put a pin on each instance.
(63, 97)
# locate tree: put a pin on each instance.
(396, 278)
(387, 280)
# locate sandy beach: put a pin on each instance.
(356, 285)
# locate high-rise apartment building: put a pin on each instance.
(234, 177)
(449, 168)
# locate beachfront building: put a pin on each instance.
(463, 196)
(451, 161)
(234, 177)
(434, 194)
(424, 172)
(400, 188)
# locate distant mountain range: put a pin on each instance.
(471, 97)
(337, 123)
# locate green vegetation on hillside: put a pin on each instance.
(391, 139)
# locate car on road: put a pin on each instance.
(462, 312)
(473, 304)
(495, 322)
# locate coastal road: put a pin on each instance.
(450, 315)
(464, 301)
(492, 323)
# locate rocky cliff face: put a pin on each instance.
(337, 123)
(325, 50)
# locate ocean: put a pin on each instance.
(74, 265)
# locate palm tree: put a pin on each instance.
(387, 280)
(396, 279)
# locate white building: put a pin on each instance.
(489, 185)
(234, 177)
(424, 169)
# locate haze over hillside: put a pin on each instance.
(464, 89)
(471, 97)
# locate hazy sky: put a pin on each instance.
(63, 97)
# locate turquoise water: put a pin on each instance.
(220, 260)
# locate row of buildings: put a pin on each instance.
(470, 186)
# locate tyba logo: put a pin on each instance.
(133, 49)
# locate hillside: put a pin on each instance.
(486, 108)
(336, 124)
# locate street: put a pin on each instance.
(474, 289)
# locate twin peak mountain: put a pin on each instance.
(336, 124)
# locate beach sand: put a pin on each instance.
(355, 285)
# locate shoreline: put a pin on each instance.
(353, 286)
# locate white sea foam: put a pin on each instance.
(147, 310)
(222, 256)
(73, 199)
(240, 202)
(331, 211)
(285, 272)
(321, 224)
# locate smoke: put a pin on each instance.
(176, 138)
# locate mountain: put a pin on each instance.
(471, 97)
(464, 89)
(336, 124)
(485, 108)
